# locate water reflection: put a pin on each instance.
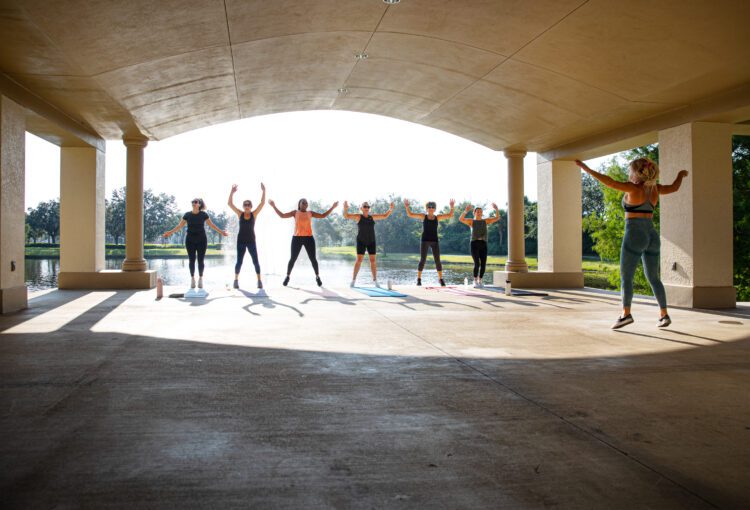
(42, 273)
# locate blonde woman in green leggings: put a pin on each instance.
(641, 240)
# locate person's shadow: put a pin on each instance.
(261, 298)
(327, 295)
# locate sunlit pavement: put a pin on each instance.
(309, 397)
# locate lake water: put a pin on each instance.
(219, 272)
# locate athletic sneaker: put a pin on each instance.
(376, 283)
(664, 322)
(352, 283)
(442, 282)
(419, 282)
(623, 321)
(192, 282)
(200, 282)
(320, 282)
(477, 285)
(260, 284)
(236, 284)
(286, 281)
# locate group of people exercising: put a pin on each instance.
(641, 240)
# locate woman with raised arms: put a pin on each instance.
(366, 237)
(430, 239)
(303, 235)
(478, 226)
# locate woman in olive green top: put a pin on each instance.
(478, 227)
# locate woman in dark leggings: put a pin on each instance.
(430, 238)
(195, 240)
(303, 235)
(478, 226)
(641, 240)
(246, 234)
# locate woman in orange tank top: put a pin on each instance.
(303, 235)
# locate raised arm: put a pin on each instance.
(608, 181)
(463, 219)
(230, 201)
(289, 214)
(496, 217)
(412, 214)
(675, 186)
(325, 214)
(378, 217)
(217, 229)
(448, 215)
(179, 226)
(262, 200)
(347, 214)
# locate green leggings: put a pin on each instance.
(641, 241)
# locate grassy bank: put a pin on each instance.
(167, 251)
(595, 272)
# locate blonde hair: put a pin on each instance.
(646, 170)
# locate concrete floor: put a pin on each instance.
(315, 399)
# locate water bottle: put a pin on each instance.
(466, 282)
(508, 290)
(390, 284)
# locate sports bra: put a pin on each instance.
(644, 207)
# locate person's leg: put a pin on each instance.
(651, 269)
(191, 251)
(240, 257)
(252, 249)
(201, 249)
(296, 247)
(438, 264)
(309, 243)
(357, 265)
(634, 243)
(373, 267)
(475, 258)
(422, 260)
(482, 258)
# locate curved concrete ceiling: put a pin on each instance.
(505, 73)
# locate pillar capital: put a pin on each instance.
(135, 141)
(514, 153)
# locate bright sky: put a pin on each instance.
(321, 155)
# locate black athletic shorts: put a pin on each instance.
(362, 247)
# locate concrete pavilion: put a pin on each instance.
(326, 398)
(565, 78)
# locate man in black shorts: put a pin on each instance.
(366, 237)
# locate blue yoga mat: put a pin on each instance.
(376, 292)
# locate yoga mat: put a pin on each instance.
(515, 292)
(456, 291)
(376, 292)
(196, 294)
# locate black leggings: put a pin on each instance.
(297, 243)
(252, 250)
(196, 246)
(435, 254)
(479, 254)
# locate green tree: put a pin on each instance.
(114, 216)
(158, 213)
(44, 220)
(220, 220)
(741, 188)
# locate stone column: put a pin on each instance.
(559, 221)
(81, 213)
(697, 221)
(134, 260)
(516, 234)
(13, 295)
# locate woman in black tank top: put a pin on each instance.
(196, 242)
(479, 236)
(246, 234)
(430, 238)
(366, 238)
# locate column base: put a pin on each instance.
(13, 299)
(134, 265)
(517, 267)
(539, 280)
(701, 297)
(107, 280)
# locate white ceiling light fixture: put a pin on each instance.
(361, 55)
(391, 2)
(343, 90)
